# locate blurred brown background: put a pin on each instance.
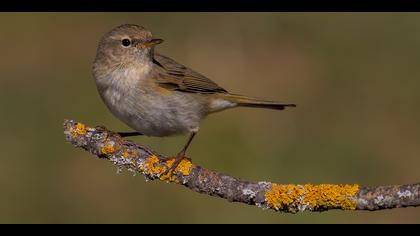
(355, 78)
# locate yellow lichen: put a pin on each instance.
(283, 195)
(184, 166)
(170, 162)
(107, 149)
(331, 195)
(79, 129)
(316, 196)
(125, 154)
(169, 178)
(153, 166)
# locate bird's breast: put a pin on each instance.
(152, 110)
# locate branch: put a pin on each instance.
(280, 197)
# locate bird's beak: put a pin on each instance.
(152, 43)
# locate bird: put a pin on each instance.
(155, 95)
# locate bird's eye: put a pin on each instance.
(126, 42)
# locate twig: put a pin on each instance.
(280, 197)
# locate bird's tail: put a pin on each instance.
(256, 102)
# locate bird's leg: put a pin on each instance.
(129, 134)
(181, 154)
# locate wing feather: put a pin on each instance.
(175, 76)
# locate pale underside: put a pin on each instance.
(162, 98)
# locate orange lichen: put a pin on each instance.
(170, 162)
(79, 129)
(153, 166)
(169, 178)
(283, 195)
(184, 166)
(331, 195)
(125, 154)
(316, 196)
(107, 149)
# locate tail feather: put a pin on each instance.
(256, 102)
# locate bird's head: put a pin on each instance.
(124, 45)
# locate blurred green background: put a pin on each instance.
(354, 76)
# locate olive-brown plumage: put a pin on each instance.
(153, 94)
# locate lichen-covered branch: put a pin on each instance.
(280, 197)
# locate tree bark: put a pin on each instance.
(290, 198)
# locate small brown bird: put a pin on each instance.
(155, 95)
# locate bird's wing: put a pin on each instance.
(175, 76)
